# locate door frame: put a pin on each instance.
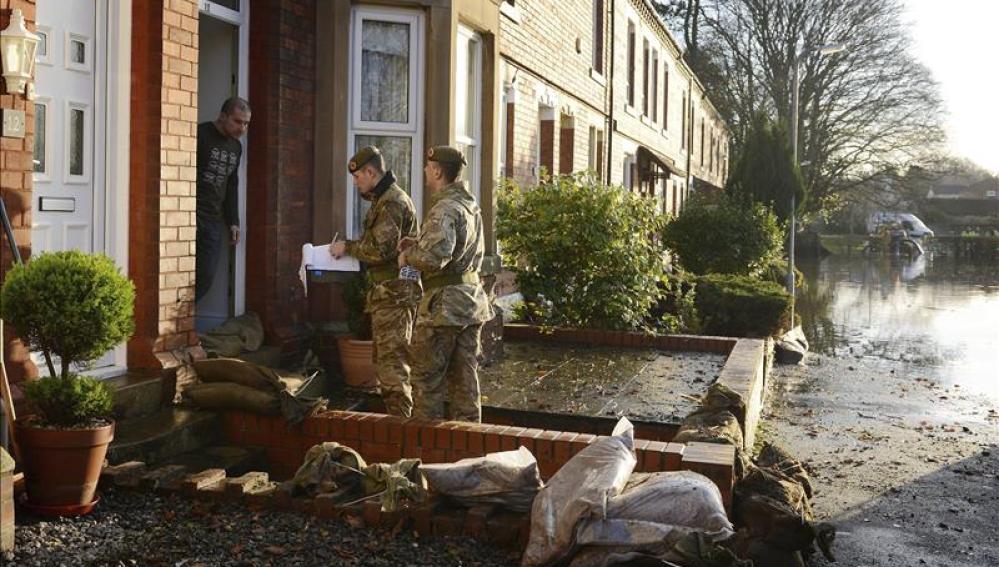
(241, 20)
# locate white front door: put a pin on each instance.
(71, 165)
(67, 116)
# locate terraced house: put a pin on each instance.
(106, 161)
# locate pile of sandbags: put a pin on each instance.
(509, 478)
(774, 513)
(234, 384)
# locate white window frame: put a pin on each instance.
(88, 52)
(413, 129)
(473, 143)
(69, 106)
(220, 12)
(628, 165)
(413, 19)
(44, 58)
(46, 175)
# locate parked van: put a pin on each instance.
(910, 222)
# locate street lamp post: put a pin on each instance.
(799, 52)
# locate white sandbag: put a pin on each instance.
(579, 490)
(509, 478)
(677, 498)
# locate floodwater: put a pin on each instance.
(646, 384)
(936, 312)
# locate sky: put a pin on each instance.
(957, 40)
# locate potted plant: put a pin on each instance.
(357, 348)
(72, 307)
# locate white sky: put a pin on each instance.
(959, 41)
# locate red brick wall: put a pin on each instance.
(161, 181)
(15, 187)
(280, 160)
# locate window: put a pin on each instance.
(38, 157)
(77, 56)
(645, 77)
(386, 69)
(77, 154)
(631, 64)
(468, 108)
(701, 151)
(683, 122)
(566, 144)
(665, 96)
(598, 36)
(596, 155)
(546, 141)
(628, 171)
(654, 102)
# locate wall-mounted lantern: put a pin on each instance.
(17, 54)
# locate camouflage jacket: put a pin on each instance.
(391, 217)
(451, 242)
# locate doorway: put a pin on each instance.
(221, 74)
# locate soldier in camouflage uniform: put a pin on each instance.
(391, 301)
(449, 254)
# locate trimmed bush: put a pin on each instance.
(718, 234)
(584, 253)
(70, 402)
(70, 304)
(740, 306)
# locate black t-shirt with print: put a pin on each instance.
(218, 160)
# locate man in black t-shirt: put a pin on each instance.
(219, 153)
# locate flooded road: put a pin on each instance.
(896, 411)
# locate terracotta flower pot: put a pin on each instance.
(356, 360)
(62, 466)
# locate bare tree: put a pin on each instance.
(863, 113)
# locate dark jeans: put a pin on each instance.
(212, 238)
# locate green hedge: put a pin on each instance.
(740, 306)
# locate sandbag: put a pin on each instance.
(238, 372)
(226, 395)
(579, 490)
(508, 478)
(679, 498)
(330, 468)
(234, 336)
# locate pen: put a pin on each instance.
(335, 236)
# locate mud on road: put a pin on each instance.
(905, 465)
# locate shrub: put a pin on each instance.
(584, 253)
(764, 171)
(740, 306)
(71, 401)
(73, 306)
(717, 234)
(70, 304)
(676, 311)
(776, 271)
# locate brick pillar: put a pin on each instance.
(280, 164)
(15, 188)
(162, 173)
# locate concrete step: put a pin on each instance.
(136, 395)
(168, 432)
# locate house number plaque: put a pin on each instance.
(13, 123)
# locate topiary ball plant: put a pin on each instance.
(72, 307)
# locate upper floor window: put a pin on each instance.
(631, 64)
(598, 36)
(645, 77)
(654, 98)
(665, 96)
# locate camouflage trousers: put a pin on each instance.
(445, 367)
(392, 328)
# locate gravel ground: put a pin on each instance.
(132, 528)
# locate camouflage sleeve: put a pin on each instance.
(378, 243)
(435, 247)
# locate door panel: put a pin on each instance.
(65, 148)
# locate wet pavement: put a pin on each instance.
(897, 411)
(645, 384)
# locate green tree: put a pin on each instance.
(765, 171)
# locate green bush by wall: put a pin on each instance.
(741, 306)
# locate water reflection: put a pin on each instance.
(933, 311)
